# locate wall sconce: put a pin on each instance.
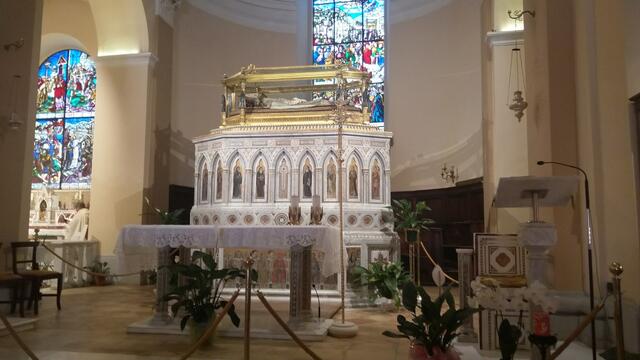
(13, 120)
(449, 174)
(14, 45)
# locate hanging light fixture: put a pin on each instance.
(518, 103)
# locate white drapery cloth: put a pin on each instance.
(76, 230)
(137, 244)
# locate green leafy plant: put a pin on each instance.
(201, 295)
(166, 217)
(508, 338)
(384, 278)
(99, 268)
(408, 218)
(429, 326)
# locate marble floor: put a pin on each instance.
(92, 326)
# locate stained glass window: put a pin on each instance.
(66, 99)
(352, 32)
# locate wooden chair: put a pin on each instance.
(16, 284)
(34, 274)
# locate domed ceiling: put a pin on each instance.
(281, 15)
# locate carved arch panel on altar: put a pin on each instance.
(376, 179)
(259, 177)
(354, 183)
(283, 175)
(306, 171)
(237, 178)
(203, 180)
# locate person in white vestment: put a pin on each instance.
(77, 227)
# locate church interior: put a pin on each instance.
(320, 179)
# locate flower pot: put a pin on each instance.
(411, 235)
(418, 352)
(100, 280)
(197, 329)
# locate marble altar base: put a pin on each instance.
(263, 326)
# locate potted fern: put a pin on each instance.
(201, 294)
(383, 279)
(100, 272)
(430, 329)
(410, 220)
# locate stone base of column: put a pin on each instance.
(343, 330)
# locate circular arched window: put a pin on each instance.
(66, 100)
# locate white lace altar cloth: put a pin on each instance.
(137, 245)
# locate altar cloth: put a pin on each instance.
(137, 244)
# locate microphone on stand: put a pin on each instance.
(317, 296)
(589, 246)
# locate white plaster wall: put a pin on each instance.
(632, 45)
(205, 48)
(433, 101)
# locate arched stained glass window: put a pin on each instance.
(66, 99)
(352, 32)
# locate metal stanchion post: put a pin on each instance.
(616, 270)
(247, 308)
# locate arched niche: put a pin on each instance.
(283, 171)
(307, 170)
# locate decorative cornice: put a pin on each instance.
(307, 129)
(128, 59)
(501, 38)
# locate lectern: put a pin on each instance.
(536, 235)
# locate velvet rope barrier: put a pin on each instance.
(436, 264)
(15, 337)
(585, 322)
(83, 269)
(286, 327)
(212, 327)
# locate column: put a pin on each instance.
(300, 292)
(465, 275)
(124, 126)
(225, 186)
(161, 310)
(18, 19)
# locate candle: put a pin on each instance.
(316, 201)
(541, 323)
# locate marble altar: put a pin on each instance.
(146, 241)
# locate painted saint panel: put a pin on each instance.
(307, 180)
(236, 192)
(219, 181)
(204, 184)
(48, 153)
(331, 179)
(81, 87)
(353, 179)
(375, 181)
(78, 153)
(52, 85)
(261, 180)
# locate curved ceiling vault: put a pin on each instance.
(280, 15)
